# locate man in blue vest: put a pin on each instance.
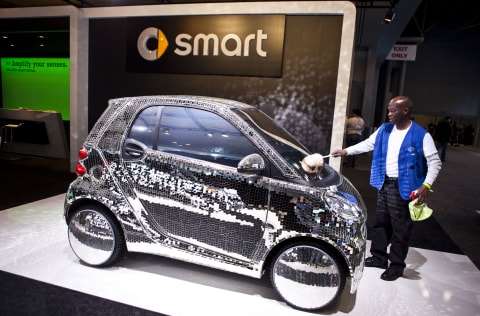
(405, 160)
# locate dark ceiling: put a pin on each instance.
(49, 36)
(77, 3)
(460, 13)
(112, 3)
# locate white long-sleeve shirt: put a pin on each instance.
(394, 142)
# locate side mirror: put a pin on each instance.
(253, 164)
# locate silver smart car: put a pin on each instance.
(215, 182)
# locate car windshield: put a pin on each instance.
(285, 144)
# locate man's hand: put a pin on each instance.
(421, 195)
(338, 153)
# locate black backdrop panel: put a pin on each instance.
(302, 100)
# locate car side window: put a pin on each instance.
(143, 129)
(202, 135)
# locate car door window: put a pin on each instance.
(202, 135)
(143, 129)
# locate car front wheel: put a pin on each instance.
(95, 236)
(307, 276)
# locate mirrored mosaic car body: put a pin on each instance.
(215, 182)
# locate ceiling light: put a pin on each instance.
(390, 16)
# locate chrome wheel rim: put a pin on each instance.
(91, 237)
(306, 277)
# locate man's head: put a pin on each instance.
(399, 109)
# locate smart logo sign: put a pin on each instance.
(245, 45)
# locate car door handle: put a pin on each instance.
(134, 148)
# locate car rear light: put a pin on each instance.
(80, 169)
(82, 154)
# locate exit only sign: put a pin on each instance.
(402, 52)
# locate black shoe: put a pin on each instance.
(372, 262)
(391, 274)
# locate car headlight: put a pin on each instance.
(343, 205)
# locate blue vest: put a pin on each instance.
(412, 167)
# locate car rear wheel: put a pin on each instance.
(95, 236)
(307, 276)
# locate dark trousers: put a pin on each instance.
(392, 225)
(442, 146)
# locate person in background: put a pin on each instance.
(355, 125)
(400, 149)
(431, 129)
(469, 135)
(443, 134)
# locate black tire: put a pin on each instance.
(95, 236)
(307, 276)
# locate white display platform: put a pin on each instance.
(33, 244)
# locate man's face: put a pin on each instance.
(396, 112)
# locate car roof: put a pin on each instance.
(182, 100)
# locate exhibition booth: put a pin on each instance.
(293, 60)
